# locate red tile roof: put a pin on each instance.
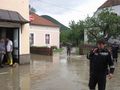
(110, 3)
(38, 20)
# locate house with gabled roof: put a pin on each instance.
(114, 5)
(110, 3)
(43, 33)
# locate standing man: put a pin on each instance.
(9, 49)
(2, 51)
(115, 49)
(100, 58)
(68, 50)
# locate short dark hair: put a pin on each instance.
(100, 42)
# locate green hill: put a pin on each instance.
(62, 27)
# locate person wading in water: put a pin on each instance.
(100, 58)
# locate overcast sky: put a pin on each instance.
(66, 10)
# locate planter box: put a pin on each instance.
(42, 50)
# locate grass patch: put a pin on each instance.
(58, 50)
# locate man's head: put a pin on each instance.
(2, 40)
(101, 44)
(7, 39)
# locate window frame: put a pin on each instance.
(47, 39)
(32, 39)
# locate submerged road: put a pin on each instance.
(53, 73)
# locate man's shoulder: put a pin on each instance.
(10, 42)
(107, 51)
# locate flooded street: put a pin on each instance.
(52, 73)
(59, 73)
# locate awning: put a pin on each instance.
(11, 16)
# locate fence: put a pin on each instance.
(84, 49)
(42, 50)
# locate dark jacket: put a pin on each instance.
(115, 49)
(99, 61)
(2, 47)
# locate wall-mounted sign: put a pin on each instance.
(31, 18)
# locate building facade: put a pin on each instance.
(43, 33)
(114, 5)
(14, 17)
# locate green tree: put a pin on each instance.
(64, 36)
(105, 22)
(77, 32)
(32, 9)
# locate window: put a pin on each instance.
(47, 38)
(31, 39)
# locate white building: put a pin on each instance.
(113, 5)
(43, 32)
(14, 17)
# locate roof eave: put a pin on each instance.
(44, 25)
(21, 22)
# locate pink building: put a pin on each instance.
(43, 32)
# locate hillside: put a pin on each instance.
(63, 27)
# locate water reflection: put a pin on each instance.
(67, 73)
(62, 73)
(59, 72)
(24, 76)
(9, 79)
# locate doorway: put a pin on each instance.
(12, 34)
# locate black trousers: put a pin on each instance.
(68, 52)
(1, 58)
(99, 79)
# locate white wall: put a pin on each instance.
(39, 35)
(115, 9)
(85, 37)
(22, 7)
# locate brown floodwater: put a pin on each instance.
(52, 73)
